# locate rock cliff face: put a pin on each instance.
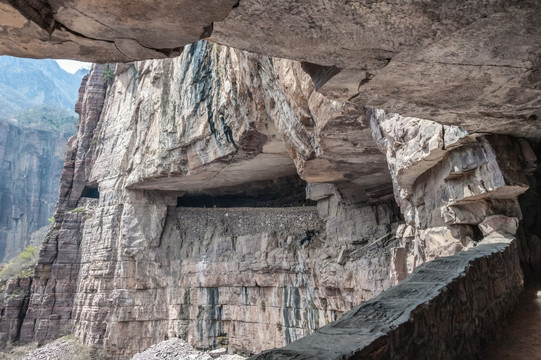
(126, 256)
(31, 163)
(28, 84)
(418, 318)
(16, 296)
(183, 209)
(447, 181)
(223, 128)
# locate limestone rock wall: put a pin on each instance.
(15, 299)
(447, 181)
(244, 278)
(530, 227)
(458, 193)
(58, 265)
(474, 63)
(131, 262)
(31, 164)
(122, 260)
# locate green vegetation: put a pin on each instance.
(78, 210)
(108, 73)
(49, 117)
(22, 265)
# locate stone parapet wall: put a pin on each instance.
(444, 310)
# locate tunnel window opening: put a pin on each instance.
(240, 200)
(91, 192)
(286, 192)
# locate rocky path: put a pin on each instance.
(177, 349)
(69, 348)
(521, 337)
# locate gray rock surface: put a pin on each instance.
(176, 348)
(64, 348)
(15, 298)
(31, 164)
(445, 309)
(473, 64)
(131, 262)
(446, 180)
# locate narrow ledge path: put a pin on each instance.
(520, 338)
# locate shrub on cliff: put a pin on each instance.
(22, 265)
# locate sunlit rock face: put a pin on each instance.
(217, 197)
(447, 182)
(128, 256)
(216, 122)
(458, 193)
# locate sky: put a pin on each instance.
(72, 66)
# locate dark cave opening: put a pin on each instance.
(231, 201)
(91, 192)
(283, 192)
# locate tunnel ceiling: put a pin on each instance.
(473, 63)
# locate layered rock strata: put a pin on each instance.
(453, 190)
(210, 124)
(31, 164)
(128, 256)
(56, 274)
(16, 296)
(446, 182)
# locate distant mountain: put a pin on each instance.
(48, 117)
(27, 84)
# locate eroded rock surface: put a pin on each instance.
(15, 300)
(447, 181)
(130, 261)
(126, 256)
(445, 309)
(176, 348)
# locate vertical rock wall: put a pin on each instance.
(31, 164)
(122, 260)
(16, 296)
(210, 122)
(446, 309)
(456, 192)
(58, 265)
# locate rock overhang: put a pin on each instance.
(475, 64)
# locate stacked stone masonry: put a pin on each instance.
(446, 309)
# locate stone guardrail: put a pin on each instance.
(443, 310)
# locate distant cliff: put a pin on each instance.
(37, 102)
(31, 163)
